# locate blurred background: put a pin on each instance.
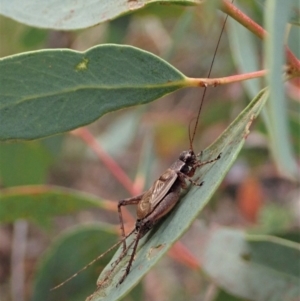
(144, 141)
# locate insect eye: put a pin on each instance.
(183, 156)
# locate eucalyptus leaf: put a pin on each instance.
(53, 91)
(224, 296)
(160, 239)
(245, 54)
(70, 15)
(255, 267)
(69, 253)
(24, 163)
(47, 201)
(277, 14)
(295, 14)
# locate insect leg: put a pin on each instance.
(130, 201)
(115, 264)
(199, 164)
(136, 242)
(200, 154)
(165, 206)
(146, 224)
(184, 177)
(92, 262)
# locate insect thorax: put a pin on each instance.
(185, 161)
(188, 157)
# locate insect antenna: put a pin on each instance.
(93, 261)
(191, 137)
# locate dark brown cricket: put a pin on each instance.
(159, 200)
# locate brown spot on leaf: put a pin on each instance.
(154, 250)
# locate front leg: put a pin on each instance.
(184, 177)
(132, 255)
(129, 201)
(199, 163)
(196, 166)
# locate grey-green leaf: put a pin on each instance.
(255, 267)
(276, 16)
(54, 91)
(161, 238)
(68, 254)
(47, 201)
(70, 15)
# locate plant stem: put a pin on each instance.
(205, 82)
(107, 160)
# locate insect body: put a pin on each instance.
(156, 202)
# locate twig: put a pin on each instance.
(17, 260)
(107, 160)
(205, 82)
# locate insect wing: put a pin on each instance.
(156, 193)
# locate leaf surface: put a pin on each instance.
(70, 15)
(255, 267)
(53, 91)
(68, 254)
(39, 203)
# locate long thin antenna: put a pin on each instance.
(93, 261)
(205, 88)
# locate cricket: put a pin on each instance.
(157, 201)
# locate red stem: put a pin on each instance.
(182, 254)
(205, 82)
(107, 160)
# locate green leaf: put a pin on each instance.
(276, 16)
(244, 48)
(294, 17)
(33, 37)
(256, 267)
(74, 15)
(179, 32)
(245, 54)
(294, 40)
(224, 296)
(54, 91)
(24, 163)
(161, 238)
(70, 252)
(39, 203)
(274, 218)
(293, 235)
(146, 160)
(295, 13)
